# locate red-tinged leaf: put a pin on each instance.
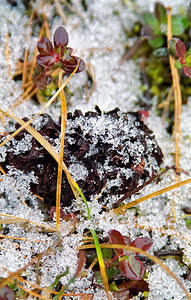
(130, 288)
(182, 61)
(69, 65)
(6, 293)
(132, 267)
(115, 237)
(160, 12)
(42, 81)
(148, 32)
(60, 37)
(180, 48)
(143, 243)
(44, 45)
(45, 60)
(81, 262)
(187, 71)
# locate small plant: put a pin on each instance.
(130, 265)
(155, 27)
(184, 57)
(51, 58)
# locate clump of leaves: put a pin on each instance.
(54, 57)
(184, 56)
(151, 46)
(130, 265)
(155, 25)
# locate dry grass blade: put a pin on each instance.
(27, 50)
(154, 194)
(7, 53)
(177, 96)
(20, 239)
(63, 127)
(19, 219)
(60, 11)
(153, 258)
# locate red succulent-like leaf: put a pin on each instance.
(143, 243)
(187, 71)
(132, 267)
(45, 60)
(44, 45)
(180, 48)
(60, 37)
(115, 237)
(42, 80)
(69, 65)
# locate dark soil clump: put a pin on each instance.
(113, 149)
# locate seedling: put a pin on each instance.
(51, 58)
(184, 57)
(130, 265)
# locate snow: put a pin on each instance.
(116, 86)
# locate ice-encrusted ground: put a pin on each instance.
(116, 86)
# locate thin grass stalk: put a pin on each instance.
(177, 104)
(63, 127)
(28, 221)
(27, 50)
(152, 195)
(7, 54)
(151, 257)
(177, 95)
(100, 261)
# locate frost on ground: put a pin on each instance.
(98, 38)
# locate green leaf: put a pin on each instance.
(113, 286)
(161, 52)
(188, 61)
(151, 20)
(58, 278)
(189, 50)
(178, 65)
(111, 272)
(157, 42)
(179, 24)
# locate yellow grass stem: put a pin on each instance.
(7, 53)
(153, 258)
(32, 293)
(19, 219)
(177, 96)
(27, 50)
(63, 127)
(2, 170)
(152, 195)
(101, 262)
(20, 239)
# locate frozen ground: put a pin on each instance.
(116, 86)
